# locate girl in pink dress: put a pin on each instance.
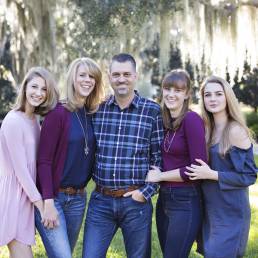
(19, 136)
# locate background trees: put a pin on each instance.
(246, 89)
(200, 36)
(7, 92)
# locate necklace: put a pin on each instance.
(167, 142)
(86, 148)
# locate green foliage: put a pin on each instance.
(256, 161)
(175, 62)
(175, 58)
(227, 75)
(7, 96)
(246, 89)
(7, 93)
(254, 128)
(203, 70)
(109, 22)
(251, 119)
(252, 122)
(150, 57)
(189, 67)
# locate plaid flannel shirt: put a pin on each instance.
(128, 142)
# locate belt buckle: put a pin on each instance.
(113, 192)
(70, 190)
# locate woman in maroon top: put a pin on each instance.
(178, 212)
(66, 158)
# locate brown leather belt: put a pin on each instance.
(117, 193)
(71, 190)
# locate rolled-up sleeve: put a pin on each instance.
(150, 189)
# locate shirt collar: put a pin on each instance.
(135, 101)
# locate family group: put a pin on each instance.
(201, 165)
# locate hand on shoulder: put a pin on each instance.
(239, 137)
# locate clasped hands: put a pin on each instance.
(48, 212)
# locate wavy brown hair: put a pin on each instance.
(52, 94)
(233, 112)
(174, 79)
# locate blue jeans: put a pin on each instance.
(106, 214)
(178, 217)
(60, 241)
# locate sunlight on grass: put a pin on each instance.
(117, 249)
(3, 252)
(114, 253)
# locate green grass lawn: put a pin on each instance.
(116, 249)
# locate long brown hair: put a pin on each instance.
(233, 112)
(52, 91)
(171, 80)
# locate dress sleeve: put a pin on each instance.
(49, 138)
(243, 171)
(195, 138)
(16, 147)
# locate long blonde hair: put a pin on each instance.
(96, 96)
(171, 80)
(52, 94)
(233, 112)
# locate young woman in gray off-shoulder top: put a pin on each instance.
(230, 171)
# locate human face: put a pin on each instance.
(214, 98)
(84, 82)
(174, 98)
(36, 92)
(122, 79)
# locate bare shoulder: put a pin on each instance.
(238, 136)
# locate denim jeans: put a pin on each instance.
(106, 214)
(178, 217)
(60, 241)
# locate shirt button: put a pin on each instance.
(120, 127)
(114, 175)
(115, 159)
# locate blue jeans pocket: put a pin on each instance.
(137, 202)
(178, 198)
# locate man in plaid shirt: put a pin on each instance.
(129, 132)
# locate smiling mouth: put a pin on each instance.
(36, 99)
(171, 101)
(122, 87)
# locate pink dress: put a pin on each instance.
(19, 138)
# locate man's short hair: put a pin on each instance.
(122, 58)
